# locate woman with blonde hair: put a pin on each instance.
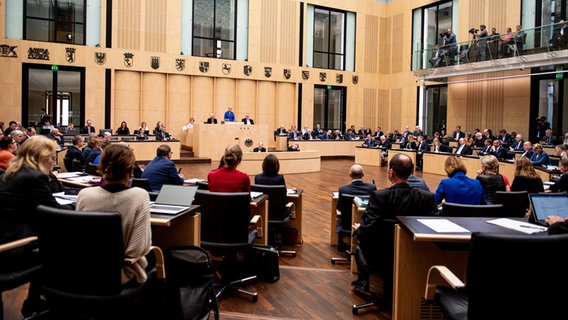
(526, 177)
(458, 188)
(490, 178)
(227, 178)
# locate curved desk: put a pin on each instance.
(368, 156)
(329, 148)
(290, 162)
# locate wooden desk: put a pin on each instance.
(368, 156)
(210, 140)
(181, 229)
(259, 206)
(281, 143)
(434, 163)
(80, 181)
(356, 216)
(290, 162)
(409, 152)
(329, 148)
(296, 221)
(145, 150)
(417, 248)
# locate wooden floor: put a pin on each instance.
(310, 287)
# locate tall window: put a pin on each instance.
(55, 20)
(329, 39)
(214, 28)
(428, 23)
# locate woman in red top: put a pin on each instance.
(227, 178)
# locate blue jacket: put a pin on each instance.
(541, 159)
(161, 171)
(460, 189)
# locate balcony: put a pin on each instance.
(518, 50)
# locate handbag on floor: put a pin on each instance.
(264, 261)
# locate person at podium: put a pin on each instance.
(229, 116)
(247, 119)
(211, 119)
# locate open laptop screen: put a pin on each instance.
(548, 204)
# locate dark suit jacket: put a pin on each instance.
(161, 171)
(266, 179)
(73, 153)
(356, 187)
(210, 121)
(422, 147)
(466, 150)
(560, 185)
(263, 149)
(518, 146)
(499, 153)
(87, 130)
(92, 155)
(243, 120)
(461, 135)
(528, 153)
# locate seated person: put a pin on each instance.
(74, 151)
(123, 130)
(369, 142)
(438, 55)
(375, 232)
(539, 157)
(270, 175)
(281, 131)
(437, 146)
(356, 187)
(56, 136)
(260, 148)
(211, 119)
(227, 178)
(163, 135)
(562, 184)
(161, 170)
(133, 204)
(247, 119)
(490, 179)
(142, 130)
(459, 188)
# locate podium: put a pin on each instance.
(210, 140)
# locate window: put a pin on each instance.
(214, 23)
(55, 21)
(329, 39)
(428, 23)
(329, 107)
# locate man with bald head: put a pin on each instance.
(375, 233)
(356, 187)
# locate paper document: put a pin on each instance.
(192, 181)
(335, 194)
(64, 175)
(442, 225)
(64, 199)
(290, 191)
(516, 225)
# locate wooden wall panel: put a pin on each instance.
(266, 97)
(286, 98)
(225, 94)
(369, 115)
(385, 43)
(396, 110)
(127, 18)
(155, 25)
(179, 103)
(246, 99)
(203, 99)
(127, 100)
(288, 33)
(268, 30)
(371, 43)
(154, 98)
(396, 47)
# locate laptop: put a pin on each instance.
(547, 204)
(173, 199)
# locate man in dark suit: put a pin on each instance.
(369, 142)
(247, 119)
(421, 146)
(487, 145)
(497, 150)
(281, 131)
(260, 148)
(162, 170)
(211, 119)
(74, 152)
(375, 233)
(458, 134)
(505, 137)
(463, 149)
(88, 128)
(548, 139)
(356, 187)
(527, 150)
(518, 143)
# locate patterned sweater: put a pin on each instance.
(134, 206)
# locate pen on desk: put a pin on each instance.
(533, 227)
(179, 170)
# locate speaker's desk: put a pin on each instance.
(210, 140)
(417, 248)
(290, 162)
(181, 229)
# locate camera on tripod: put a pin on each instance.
(444, 34)
(473, 30)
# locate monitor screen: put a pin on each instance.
(544, 205)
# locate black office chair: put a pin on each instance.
(450, 209)
(280, 212)
(93, 169)
(225, 232)
(202, 185)
(345, 202)
(82, 255)
(13, 276)
(143, 183)
(515, 203)
(495, 286)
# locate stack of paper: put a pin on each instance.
(516, 225)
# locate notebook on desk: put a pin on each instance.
(173, 199)
(547, 204)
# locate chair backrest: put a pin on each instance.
(470, 210)
(67, 162)
(143, 183)
(225, 217)
(515, 203)
(276, 200)
(81, 252)
(346, 208)
(93, 169)
(202, 185)
(506, 276)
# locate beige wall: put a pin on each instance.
(386, 94)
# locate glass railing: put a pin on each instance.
(514, 44)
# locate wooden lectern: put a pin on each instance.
(210, 140)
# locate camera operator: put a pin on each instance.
(481, 36)
(450, 42)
